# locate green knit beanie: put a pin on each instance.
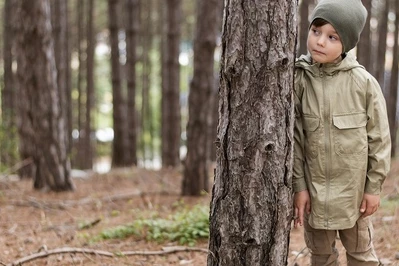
(346, 16)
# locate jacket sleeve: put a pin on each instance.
(379, 140)
(298, 179)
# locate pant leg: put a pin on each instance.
(321, 244)
(358, 242)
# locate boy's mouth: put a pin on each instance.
(318, 52)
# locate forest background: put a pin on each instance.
(124, 73)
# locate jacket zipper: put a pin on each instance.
(327, 144)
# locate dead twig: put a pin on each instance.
(46, 253)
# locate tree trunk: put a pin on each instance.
(382, 45)
(60, 33)
(393, 91)
(119, 144)
(8, 137)
(132, 27)
(146, 44)
(364, 45)
(80, 158)
(303, 26)
(39, 99)
(251, 207)
(171, 118)
(199, 100)
(91, 44)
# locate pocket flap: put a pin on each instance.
(350, 121)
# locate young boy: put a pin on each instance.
(342, 140)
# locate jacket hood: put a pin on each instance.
(305, 62)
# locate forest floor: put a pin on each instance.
(33, 222)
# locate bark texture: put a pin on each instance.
(364, 45)
(41, 120)
(251, 208)
(199, 101)
(382, 45)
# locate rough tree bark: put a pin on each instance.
(251, 207)
(41, 121)
(196, 170)
(171, 117)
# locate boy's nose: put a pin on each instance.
(321, 41)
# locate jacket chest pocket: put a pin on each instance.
(350, 134)
(312, 135)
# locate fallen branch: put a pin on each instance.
(16, 167)
(165, 250)
(32, 202)
(46, 253)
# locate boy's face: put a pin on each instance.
(324, 44)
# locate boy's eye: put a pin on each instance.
(315, 31)
(334, 38)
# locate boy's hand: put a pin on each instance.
(370, 204)
(301, 204)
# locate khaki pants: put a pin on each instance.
(356, 240)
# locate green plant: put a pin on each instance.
(185, 227)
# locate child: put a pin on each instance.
(342, 140)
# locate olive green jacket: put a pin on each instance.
(342, 141)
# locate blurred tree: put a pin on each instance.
(87, 146)
(171, 118)
(382, 44)
(364, 45)
(393, 90)
(8, 136)
(59, 20)
(251, 207)
(303, 26)
(39, 100)
(119, 147)
(196, 164)
(132, 28)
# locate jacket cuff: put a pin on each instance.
(299, 184)
(372, 188)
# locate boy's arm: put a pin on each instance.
(379, 140)
(298, 179)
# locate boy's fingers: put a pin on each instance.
(308, 208)
(363, 206)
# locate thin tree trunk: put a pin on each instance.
(132, 28)
(80, 82)
(393, 91)
(303, 26)
(91, 44)
(8, 138)
(364, 45)
(60, 27)
(196, 176)
(251, 207)
(382, 45)
(119, 147)
(171, 128)
(39, 99)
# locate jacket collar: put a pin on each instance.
(348, 63)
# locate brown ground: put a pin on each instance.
(32, 221)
